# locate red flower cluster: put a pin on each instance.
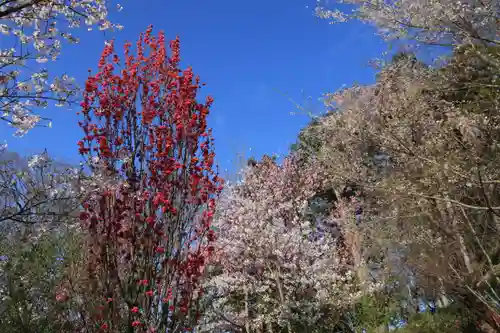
(151, 220)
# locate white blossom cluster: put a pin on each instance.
(448, 22)
(32, 34)
(265, 253)
(42, 195)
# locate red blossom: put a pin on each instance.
(61, 297)
(144, 124)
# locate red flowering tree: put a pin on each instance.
(149, 223)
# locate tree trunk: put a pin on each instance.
(247, 323)
(282, 297)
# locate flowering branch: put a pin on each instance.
(31, 28)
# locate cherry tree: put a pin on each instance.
(421, 142)
(149, 221)
(33, 33)
(270, 275)
(438, 22)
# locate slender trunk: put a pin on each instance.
(353, 242)
(247, 322)
(448, 218)
(443, 300)
(465, 254)
(282, 296)
(463, 248)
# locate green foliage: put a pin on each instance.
(404, 57)
(444, 321)
(374, 311)
(309, 141)
(30, 275)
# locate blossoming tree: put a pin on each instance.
(149, 222)
(435, 22)
(272, 276)
(35, 31)
(39, 192)
(421, 142)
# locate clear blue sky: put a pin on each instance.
(246, 51)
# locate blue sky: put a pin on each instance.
(253, 56)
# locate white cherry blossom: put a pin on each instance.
(37, 30)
